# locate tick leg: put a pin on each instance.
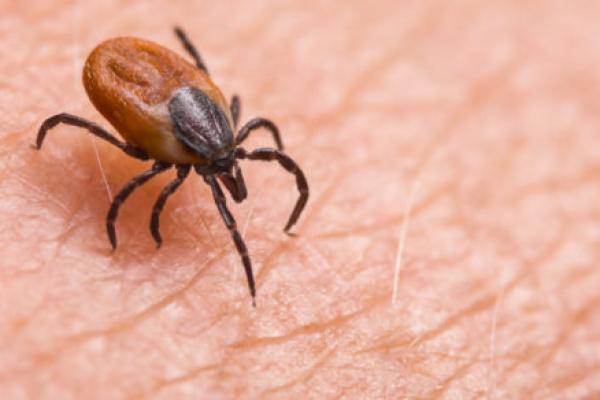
(290, 165)
(236, 185)
(182, 173)
(93, 128)
(157, 168)
(235, 234)
(191, 49)
(234, 107)
(259, 123)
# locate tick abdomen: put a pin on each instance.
(141, 78)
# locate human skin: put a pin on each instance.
(449, 249)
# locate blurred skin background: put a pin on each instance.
(449, 249)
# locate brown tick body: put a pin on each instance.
(170, 111)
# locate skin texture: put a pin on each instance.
(450, 248)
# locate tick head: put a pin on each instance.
(224, 164)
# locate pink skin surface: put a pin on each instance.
(450, 247)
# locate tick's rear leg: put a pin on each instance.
(182, 173)
(92, 127)
(191, 49)
(140, 179)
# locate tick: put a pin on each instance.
(169, 111)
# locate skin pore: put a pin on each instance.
(449, 248)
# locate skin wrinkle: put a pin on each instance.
(570, 380)
(311, 247)
(304, 377)
(546, 356)
(257, 30)
(387, 59)
(70, 225)
(588, 176)
(479, 305)
(191, 228)
(577, 320)
(446, 384)
(120, 326)
(492, 360)
(505, 201)
(394, 220)
(21, 274)
(486, 303)
(581, 274)
(32, 188)
(535, 264)
(325, 118)
(307, 329)
(20, 324)
(163, 384)
(478, 93)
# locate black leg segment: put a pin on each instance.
(234, 107)
(182, 173)
(142, 178)
(92, 127)
(259, 123)
(290, 165)
(235, 234)
(191, 49)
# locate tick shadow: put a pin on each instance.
(67, 182)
